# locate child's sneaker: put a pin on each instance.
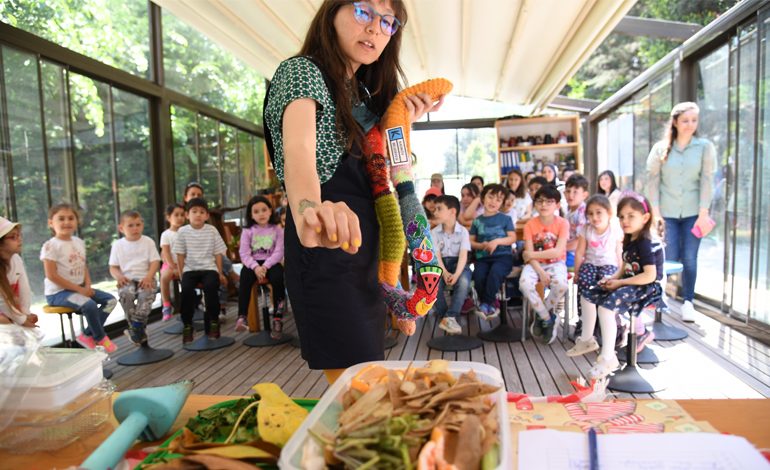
(108, 345)
(213, 331)
(483, 311)
(493, 310)
(222, 316)
(603, 367)
(135, 335)
(643, 340)
(544, 330)
(468, 306)
(280, 309)
(276, 327)
(240, 324)
(450, 325)
(86, 341)
(168, 313)
(583, 347)
(187, 334)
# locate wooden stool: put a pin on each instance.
(262, 289)
(61, 311)
(257, 291)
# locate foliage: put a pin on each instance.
(620, 58)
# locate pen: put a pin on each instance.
(593, 451)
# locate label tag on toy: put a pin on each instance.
(397, 146)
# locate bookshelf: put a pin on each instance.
(528, 143)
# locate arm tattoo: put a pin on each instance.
(304, 204)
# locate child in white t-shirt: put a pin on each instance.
(15, 294)
(67, 280)
(134, 262)
(169, 271)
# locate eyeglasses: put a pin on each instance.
(364, 14)
(545, 202)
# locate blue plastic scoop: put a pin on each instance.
(148, 413)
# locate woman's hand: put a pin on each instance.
(704, 223)
(419, 104)
(328, 225)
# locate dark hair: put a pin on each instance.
(451, 202)
(638, 203)
(577, 181)
(518, 192)
(555, 170)
(172, 207)
(493, 189)
(548, 191)
(5, 287)
(130, 214)
(248, 220)
(599, 200)
(614, 184)
(539, 180)
(429, 197)
(64, 206)
(472, 188)
(190, 185)
(381, 76)
(479, 177)
(197, 202)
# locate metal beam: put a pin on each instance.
(655, 28)
(573, 104)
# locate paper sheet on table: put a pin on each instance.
(547, 449)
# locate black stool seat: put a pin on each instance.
(504, 332)
(205, 344)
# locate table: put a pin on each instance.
(742, 417)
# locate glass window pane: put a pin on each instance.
(93, 171)
(183, 129)
(200, 68)
(761, 292)
(436, 152)
(27, 157)
(209, 155)
(744, 214)
(231, 187)
(132, 155)
(713, 74)
(57, 131)
(263, 179)
(660, 106)
(115, 32)
(248, 167)
(642, 141)
(732, 152)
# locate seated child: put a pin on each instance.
(533, 186)
(134, 262)
(169, 271)
(470, 204)
(261, 251)
(575, 192)
(68, 282)
(199, 249)
(509, 207)
(597, 257)
(492, 236)
(15, 294)
(429, 204)
(545, 239)
(452, 244)
(631, 288)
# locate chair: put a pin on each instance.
(264, 292)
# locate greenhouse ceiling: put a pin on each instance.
(519, 52)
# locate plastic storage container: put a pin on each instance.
(36, 431)
(324, 416)
(55, 377)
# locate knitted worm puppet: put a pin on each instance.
(402, 221)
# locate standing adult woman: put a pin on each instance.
(680, 172)
(607, 184)
(320, 105)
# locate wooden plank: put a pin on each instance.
(540, 368)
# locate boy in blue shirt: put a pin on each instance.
(492, 236)
(576, 193)
(452, 244)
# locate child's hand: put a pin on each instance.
(612, 284)
(87, 291)
(147, 283)
(122, 281)
(526, 256)
(447, 277)
(31, 320)
(222, 280)
(491, 246)
(545, 278)
(453, 279)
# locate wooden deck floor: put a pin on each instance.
(715, 361)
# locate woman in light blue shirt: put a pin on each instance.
(680, 173)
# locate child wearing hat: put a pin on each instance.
(15, 294)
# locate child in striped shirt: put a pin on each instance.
(199, 249)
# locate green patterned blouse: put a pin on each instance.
(298, 78)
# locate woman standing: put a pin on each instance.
(608, 186)
(318, 109)
(680, 184)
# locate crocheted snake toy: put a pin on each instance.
(404, 220)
